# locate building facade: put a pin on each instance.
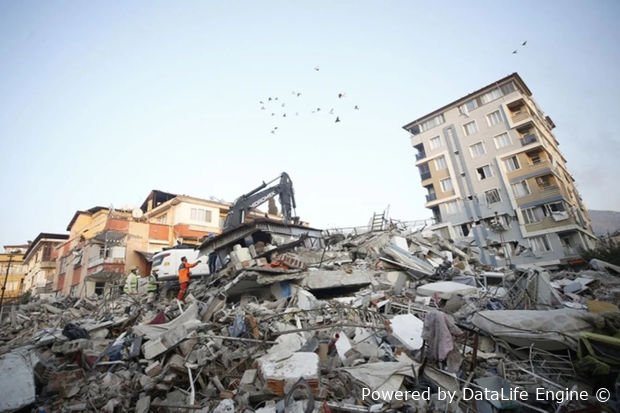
(12, 272)
(40, 263)
(104, 244)
(494, 174)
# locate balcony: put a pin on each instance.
(431, 197)
(425, 175)
(528, 139)
(420, 156)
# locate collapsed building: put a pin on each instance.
(494, 173)
(301, 320)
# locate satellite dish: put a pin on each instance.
(137, 213)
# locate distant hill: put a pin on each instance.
(604, 222)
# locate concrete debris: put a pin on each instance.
(296, 321)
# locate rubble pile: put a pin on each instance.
(381, 321)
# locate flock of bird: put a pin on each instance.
(277, 108)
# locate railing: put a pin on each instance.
(431, 197)
(425, 175)
(420, 155)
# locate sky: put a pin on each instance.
(103, 101)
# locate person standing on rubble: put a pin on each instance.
(152, 288)
(131, 283)
(184, 275)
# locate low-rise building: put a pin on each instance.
(40, 263)
(12, 271)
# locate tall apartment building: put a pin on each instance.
(494, 174)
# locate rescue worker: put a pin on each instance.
(131, 283)
(184, 275)
(152, 288)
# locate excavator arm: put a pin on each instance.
(258, 196)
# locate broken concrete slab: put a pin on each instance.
(445, 289)
(407, 329)
(321, 280)
(281, 375)
(17, 387)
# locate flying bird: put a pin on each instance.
(316, 68)
(284, 104)
(356, 107)
(331, 111)
(514, 52)
(275, 98)
(524, 43)
(273, 114)
(340, 95)
(262, 108)
(318, 109)
(298, 94)
(269, 99)
(261, 102)
(337, 119)
(284, 115)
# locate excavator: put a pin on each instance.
(258, 196)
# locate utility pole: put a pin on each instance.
(6, 278)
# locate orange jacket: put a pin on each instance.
(184, 271)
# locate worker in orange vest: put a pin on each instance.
(184, 275)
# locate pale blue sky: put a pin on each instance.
(103, 101)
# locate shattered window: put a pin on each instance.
(540, 244)
(492, 196)
(484, 172)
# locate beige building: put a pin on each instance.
(12, 271)
(40, 263)
(104, 244)
(494, 174)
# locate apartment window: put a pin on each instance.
(484, 172)
(47, 253)
(199, 214)
(162, 219)
(532, 215)
(502, 140)
(440, 163)
(470, 128)
(494, 118)
(508, 88)
(492, 196)
(435, 142)
(477, 149)
(512, 163)
(452, 207)
(431, 123)
(468, 106)
(521, 189)
(491, 96)
(540, 244)
(446, 185)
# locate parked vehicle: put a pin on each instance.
(165, 266)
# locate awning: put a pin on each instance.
(148, 256)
